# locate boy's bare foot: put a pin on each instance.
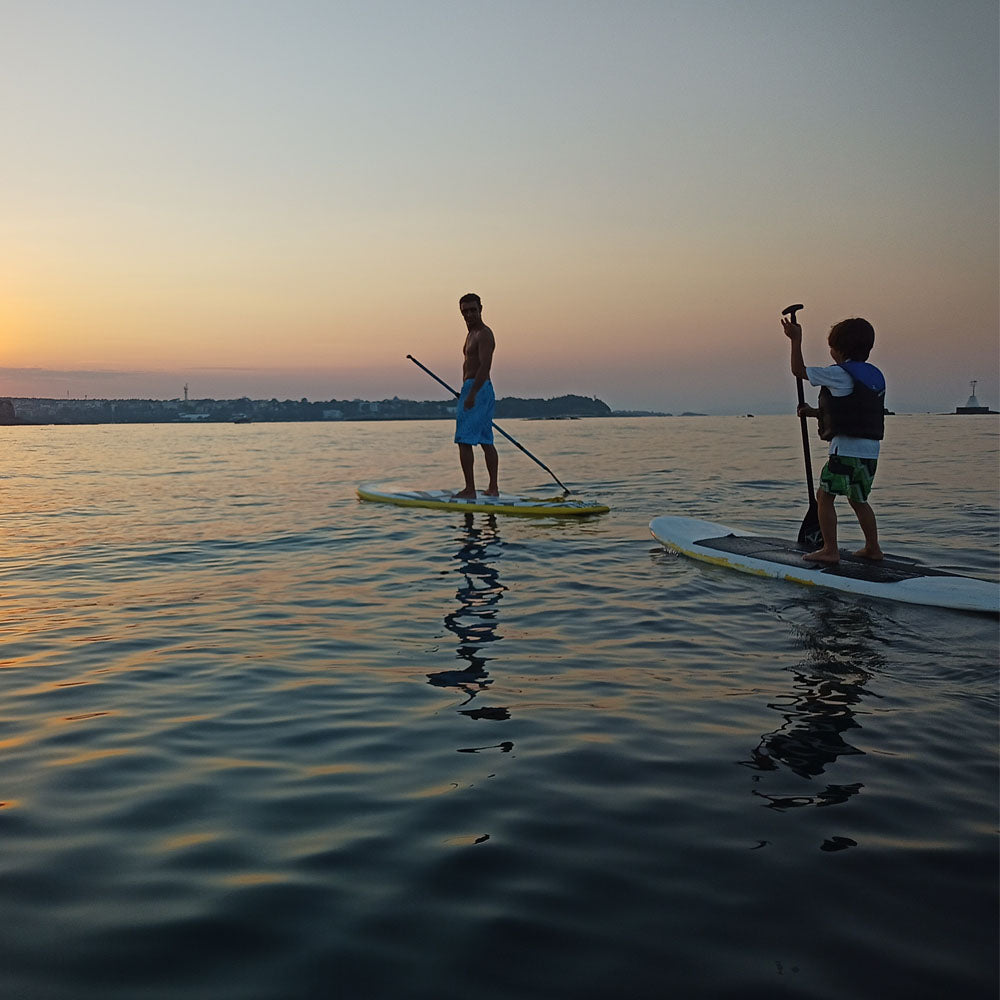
(875, 555)
(465, 495)
(822, 556)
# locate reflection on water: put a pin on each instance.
(474, 621)
(820, 709)
(224, 773)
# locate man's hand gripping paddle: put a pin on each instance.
(809, 533)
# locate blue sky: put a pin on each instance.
(284, 199)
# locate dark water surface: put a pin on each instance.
(259, 740)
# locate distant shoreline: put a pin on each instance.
(26, 411)
(46, 411)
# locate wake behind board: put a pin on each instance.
(506, 503)
(893, 578)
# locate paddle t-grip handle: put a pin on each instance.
(790, 311)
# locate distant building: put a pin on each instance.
(972, 405)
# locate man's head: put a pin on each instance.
(471, 308)
(852, 338)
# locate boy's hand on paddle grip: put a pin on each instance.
(792, 330)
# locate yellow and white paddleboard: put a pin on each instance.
(505, 503)
(893, 578)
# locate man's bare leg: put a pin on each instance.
(467, 459)
(492, 467)
(827, 515)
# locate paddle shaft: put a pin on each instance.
(516, 444)
(809, 532)
(805, 446)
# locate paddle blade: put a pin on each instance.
(809, 533)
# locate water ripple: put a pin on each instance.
(262, 742)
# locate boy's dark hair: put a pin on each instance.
(470, 297)
(854, 338)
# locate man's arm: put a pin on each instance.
(485, 346)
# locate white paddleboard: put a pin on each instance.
(506, 503)
(892, 578)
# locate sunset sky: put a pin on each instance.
(286, 198)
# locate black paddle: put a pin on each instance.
(809, 533)
(516, 444)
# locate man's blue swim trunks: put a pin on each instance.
(475, 426)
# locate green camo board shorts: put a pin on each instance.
(844, 476)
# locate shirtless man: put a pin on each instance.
(474, 412)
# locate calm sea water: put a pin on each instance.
(260, 740)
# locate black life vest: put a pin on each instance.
(861, 413)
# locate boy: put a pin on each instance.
(851, 417)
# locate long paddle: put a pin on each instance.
(810, 533)
(516, 444)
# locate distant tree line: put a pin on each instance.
(561, 406)
(148, 411)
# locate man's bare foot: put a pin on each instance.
(822, 556)
(875, 555)
(492, 493)
(466, 494)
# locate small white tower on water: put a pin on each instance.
(972, 405)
